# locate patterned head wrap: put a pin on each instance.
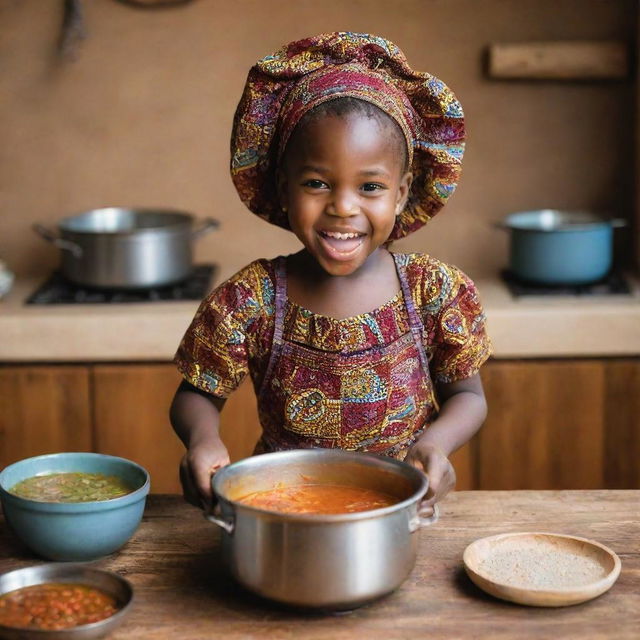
(284, 86)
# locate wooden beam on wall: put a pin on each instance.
(565, 60)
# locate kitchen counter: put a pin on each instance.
(519, 328)
(182, 590)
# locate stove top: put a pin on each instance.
(615, 284)
(58, 290)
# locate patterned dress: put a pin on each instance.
(364, 383)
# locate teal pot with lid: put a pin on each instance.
(554, 247)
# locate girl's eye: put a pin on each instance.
(314, 184)
(372, 186)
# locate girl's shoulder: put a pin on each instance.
(424, 268)
(251, 274)
(433, 283)
(250, 291)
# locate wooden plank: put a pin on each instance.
(571, 60)
(545, 425)
(622, 424)
(43, 409)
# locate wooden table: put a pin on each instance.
(183, 592)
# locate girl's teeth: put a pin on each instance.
(340, 246)
(341, 236)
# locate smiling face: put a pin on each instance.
(342, 183)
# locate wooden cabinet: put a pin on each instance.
(119, 409)
(621, 424)
(43, 409)
(552, 424)
(131, 407)
(545, 426)
(132, 419)
(560, 424)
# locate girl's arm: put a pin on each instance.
(195, 417)
(463, 409)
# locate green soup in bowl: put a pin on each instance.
(72, 486)
(88, 527)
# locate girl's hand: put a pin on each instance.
(436, 466)
(197, 467)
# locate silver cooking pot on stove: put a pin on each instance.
(336, 561)
(126, 248)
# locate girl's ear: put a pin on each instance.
(281, 186)
(403, 191)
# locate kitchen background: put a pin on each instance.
(139, 112)
(142, 115)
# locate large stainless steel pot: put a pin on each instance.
(126, 248)
(336, 561)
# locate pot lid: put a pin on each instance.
(556, 220)
(120, 220)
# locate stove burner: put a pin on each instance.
(614, 284)
(58, 290)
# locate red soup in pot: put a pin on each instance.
(319, 499)
(55, 606)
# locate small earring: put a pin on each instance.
(284, 209)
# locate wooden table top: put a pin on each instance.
(182, 591)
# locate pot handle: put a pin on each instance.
(420, 521)
(50, 236)
(212, 515)
(208, 224)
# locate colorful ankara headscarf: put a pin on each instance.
(284, 86)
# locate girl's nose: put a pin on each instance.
(343, 205)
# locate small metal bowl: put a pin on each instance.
(111, 583)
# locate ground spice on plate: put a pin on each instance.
(540, 567)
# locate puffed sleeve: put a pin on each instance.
(460, 341)
(214, 353)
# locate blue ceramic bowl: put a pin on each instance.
(74, 531)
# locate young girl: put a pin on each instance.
(348, 345)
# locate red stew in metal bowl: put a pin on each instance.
(55, 606)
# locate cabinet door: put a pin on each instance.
(131, 409)
(545, 426)
(43, 409)
(622, 422)
(132, 419)
(464, 463)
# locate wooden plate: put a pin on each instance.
(541, 569)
